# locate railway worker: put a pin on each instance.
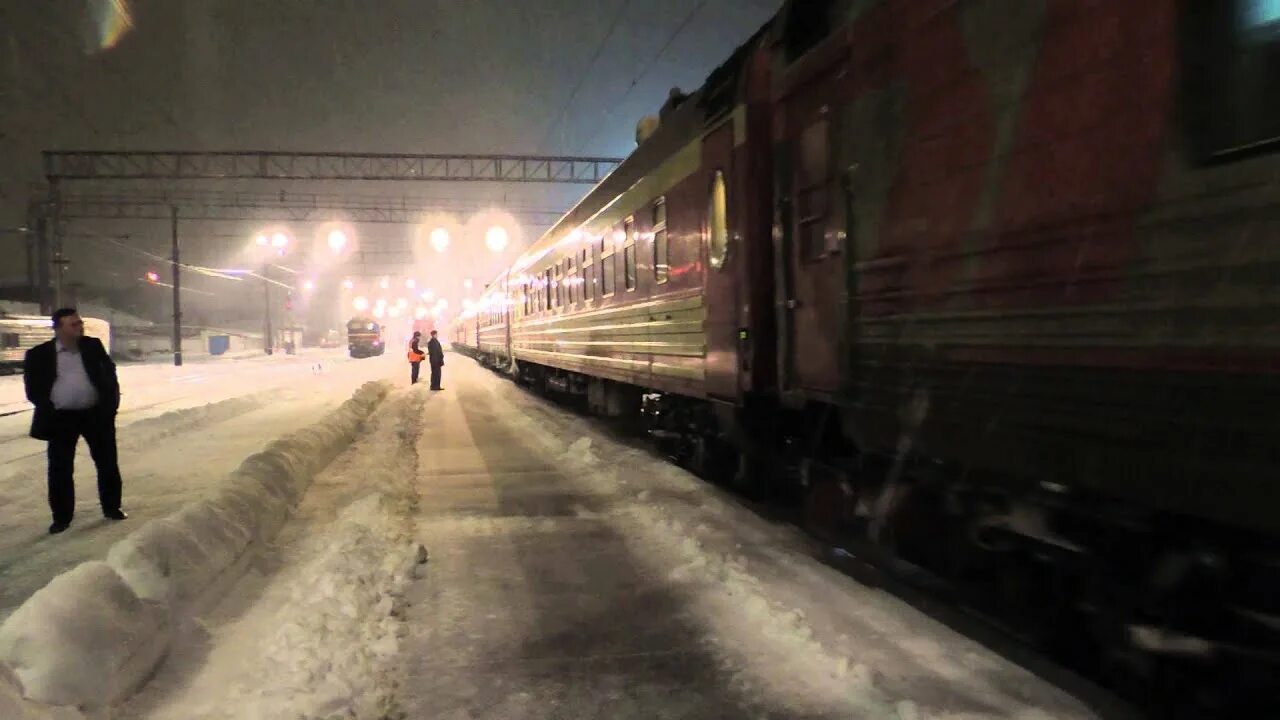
(72, 383)
(415, 357)
(436, 354)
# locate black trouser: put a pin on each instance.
(99, 430)
(435, 376)
(413, 372)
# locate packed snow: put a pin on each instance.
(322, 637)
(71, 653)
(481, 553)
(167, 460)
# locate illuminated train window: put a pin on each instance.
(718, 222)
(661, 261)
(608, 266)
(1231, 71)
(629, 255)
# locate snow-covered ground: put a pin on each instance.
(151, 389)
(181, 431)
(570, 576)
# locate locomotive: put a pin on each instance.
(364, 338)
(990, 287)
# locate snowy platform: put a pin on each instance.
(570, 575)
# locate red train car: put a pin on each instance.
(991, 284)
(1027, 299)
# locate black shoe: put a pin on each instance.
(115, 514)
(58, 527)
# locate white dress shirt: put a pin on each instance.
(72, 389)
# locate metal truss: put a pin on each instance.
(277, 207)
(269, 165)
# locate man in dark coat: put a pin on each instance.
(435, 354)
(72, 383)
(415, 357)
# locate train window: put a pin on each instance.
(571, 280)
(9, 340)
(661, 268)
(1231, 54)
(547, 287)
(608, 273)
(629, 255)
(718, 222)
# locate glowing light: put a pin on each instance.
(384, 283)
(114, 20)
(379, 311)
(411, 283)
(262, 240)
(153, 276)
(495, 238)
(337, 240)
(308, 285)
(348, 284)
(420, 313)
(440, 239)
(402, 303)
(426, 295)
(466, 283)
(361, 303)
(279, 241)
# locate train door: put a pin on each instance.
(720, 239)
(813, 292)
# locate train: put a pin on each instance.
(988, 289)
(365, 338)
(20, 333)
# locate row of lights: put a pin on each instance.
(496, 239)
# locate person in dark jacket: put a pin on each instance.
(72, 383)
(415, 357)
(435, 354)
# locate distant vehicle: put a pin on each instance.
(20, 333)
(424, 326)
(364, 338)
(330, 339)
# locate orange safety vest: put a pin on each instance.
(416, 356)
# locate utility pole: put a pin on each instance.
(177, 287)
(266, 296)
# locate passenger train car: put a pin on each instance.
(991, 285)
(20, 333)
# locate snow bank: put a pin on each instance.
(336, 630)
(94, 633)
(83, 639)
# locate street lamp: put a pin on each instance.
(440, 239)
(495, 238)
(348, 284)
(337, 241)
(384, 283)
(308, 285)
(466, 283)
(361, 303)
(411, 283)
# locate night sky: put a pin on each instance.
(339, 75)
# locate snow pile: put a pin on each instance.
(175, 559)
(328, 650)
(320, 640)
(94, 633)
(83, 639)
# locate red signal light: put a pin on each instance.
(153, 276)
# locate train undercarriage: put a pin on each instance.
(1174, 614)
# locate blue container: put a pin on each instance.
(219, 344)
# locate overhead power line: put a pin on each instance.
(586, 72)
(644, 71)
